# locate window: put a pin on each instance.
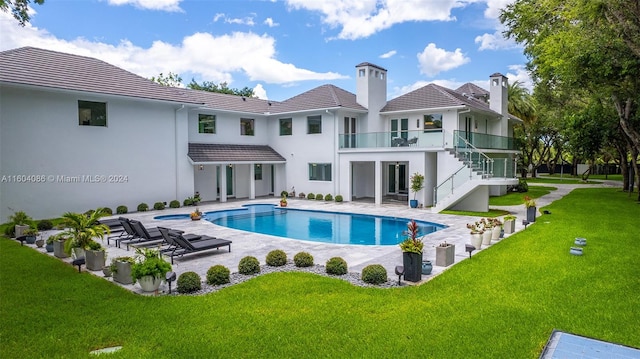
(361, 73)
(246, 126)
(432, 121)
(206, 123)
(285, 127)
(92, 113)
(314, 124)
(320, 171)
(257, 172)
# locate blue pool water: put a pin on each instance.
(317, 226)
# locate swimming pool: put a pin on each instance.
(317, 226)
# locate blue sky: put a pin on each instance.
(281, 48)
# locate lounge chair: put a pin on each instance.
(115, 228)
(144, 236)
(173, 245)
(203, 244)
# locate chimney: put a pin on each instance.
(498, 94)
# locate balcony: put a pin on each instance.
(484, 141)
(400, 139)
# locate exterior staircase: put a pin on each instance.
(476, 169)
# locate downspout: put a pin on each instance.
(336, 131)
(175, 159)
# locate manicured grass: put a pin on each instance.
(502, 303)
(515, 198)
(491, 214)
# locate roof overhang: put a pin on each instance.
(421, 110)
(215, 154)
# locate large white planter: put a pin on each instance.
(509, 226)
(19, 229)
(495, 233)
(486, 238)
(476, 240)
(150, 283)
(95, 260)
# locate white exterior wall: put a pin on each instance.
(40, 135)
(301, 148)
(228, 129)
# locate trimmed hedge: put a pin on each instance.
(339, 198)
(249, 265)
(122, 209)
(311, 196)
(143, 207)
(45, 225)
(303, 259)
(189, 282)
(218, 274)
(158, 206)
(374, 274)
(336, 266)
(319, 197)
(174, 204)
(276, 258)
(328, 197)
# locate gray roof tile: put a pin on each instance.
(433, 96)
(46, 68)
(321, 97)
(208, 152)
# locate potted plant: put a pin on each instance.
(509, 223)
(495, 229)
(476, 234)
(412, 253)
(487, 226)
(95, 256)
(417, 184)
(530, 204)
(149, 269)
(58, 245)
(283, 200)
(445, 254)
(121, 269)
(31, 234)
(21, 222)
(196, 215)
(49, 244)
(82, 229)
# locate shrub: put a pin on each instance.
(45, 225)
(249, 265)
(522, 186)
(374, 274)
(339, 198)
(189, 282)
(319, 197)
(328, 197)
(122, 209)
(311, 196)
(107, 211)
(10, 231)
(218, 274)
(142, 207)
(303, 259)
(174, 204)
(188, 201)
(276, 258)
(158, 206)
(336, 266)
(284, 194)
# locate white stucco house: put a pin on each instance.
(78, 133)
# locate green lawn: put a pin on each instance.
(502, 303)
(515, 198)
(563, 180)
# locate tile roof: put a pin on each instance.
(321, 97)
(221, 101)
(371, 65)
(208, 152)
(433, 96)
(472, 89)
(46, 68)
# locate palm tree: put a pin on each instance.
(521, 102)
(83, 228)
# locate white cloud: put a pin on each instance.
(238, 21)
(495, 41)
(269, 22)
(521, 75)
(198, 54)
(494, 7)
(362, 18)
(433, 60)
(260, 92)
(163, 5)
(389, 54)
(218, 16)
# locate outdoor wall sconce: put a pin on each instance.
(417, 123)
(201, 167)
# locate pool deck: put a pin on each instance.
(357, 256)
